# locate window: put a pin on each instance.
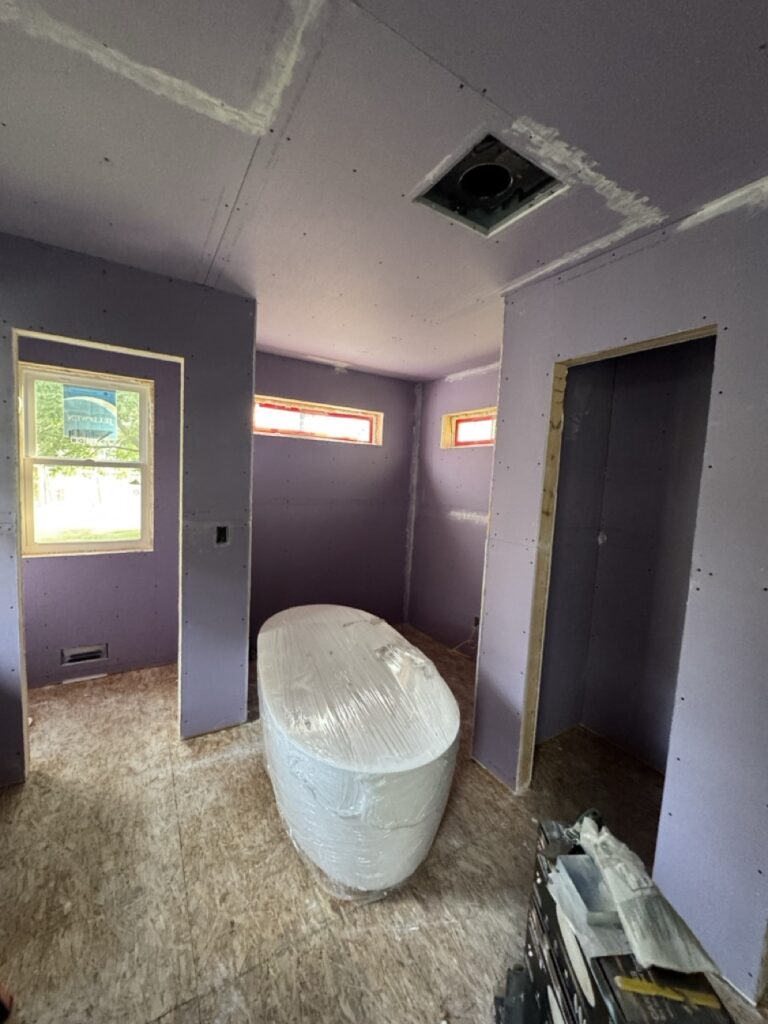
(86, 461)
(286, 417)
(469, 429)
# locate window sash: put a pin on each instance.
(373, 420)
(144, 466)
(460, 420)
(452, 422)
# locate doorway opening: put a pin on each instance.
(100, 469)
(625, 466)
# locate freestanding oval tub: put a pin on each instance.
(360, 734)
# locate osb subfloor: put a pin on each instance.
(146, 879)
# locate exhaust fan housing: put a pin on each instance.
(490, 186)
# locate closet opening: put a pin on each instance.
(625, 467)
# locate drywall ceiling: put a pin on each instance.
(274, 147)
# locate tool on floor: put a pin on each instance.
(641, 987)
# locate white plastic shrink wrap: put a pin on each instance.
(361, 734)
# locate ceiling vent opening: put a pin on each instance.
(490, 186)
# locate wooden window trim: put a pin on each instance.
(451, 421)
(373, 419)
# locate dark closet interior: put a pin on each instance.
(630, 471)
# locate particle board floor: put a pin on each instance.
(144, 879)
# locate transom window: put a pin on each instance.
(469, 429)
(286, 417)
(86, 461)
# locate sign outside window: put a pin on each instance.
(90, 414)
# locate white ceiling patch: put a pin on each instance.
(475, 371)
(576, 168)
(752, 197)
(573, 166)
(256, 119)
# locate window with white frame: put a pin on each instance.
(469, 429)
(86, 461)
(287, 417)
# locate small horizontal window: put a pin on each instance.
(286, 417)
(469, 429)
(86, 461)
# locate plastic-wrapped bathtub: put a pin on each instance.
(361, 734)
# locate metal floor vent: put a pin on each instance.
(489, 187)
(77, 655)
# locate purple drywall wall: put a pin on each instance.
(453, 491)
(652, 477)
(65, 294)
(713, 838)
(126, 599)
(586, 426)
(329, 519)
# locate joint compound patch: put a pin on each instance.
(463, 515)
(255, 119)
(573, 167)
(752, 198)
(475, 371)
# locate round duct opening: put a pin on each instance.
(485, 181)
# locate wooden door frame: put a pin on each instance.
(547, 517)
